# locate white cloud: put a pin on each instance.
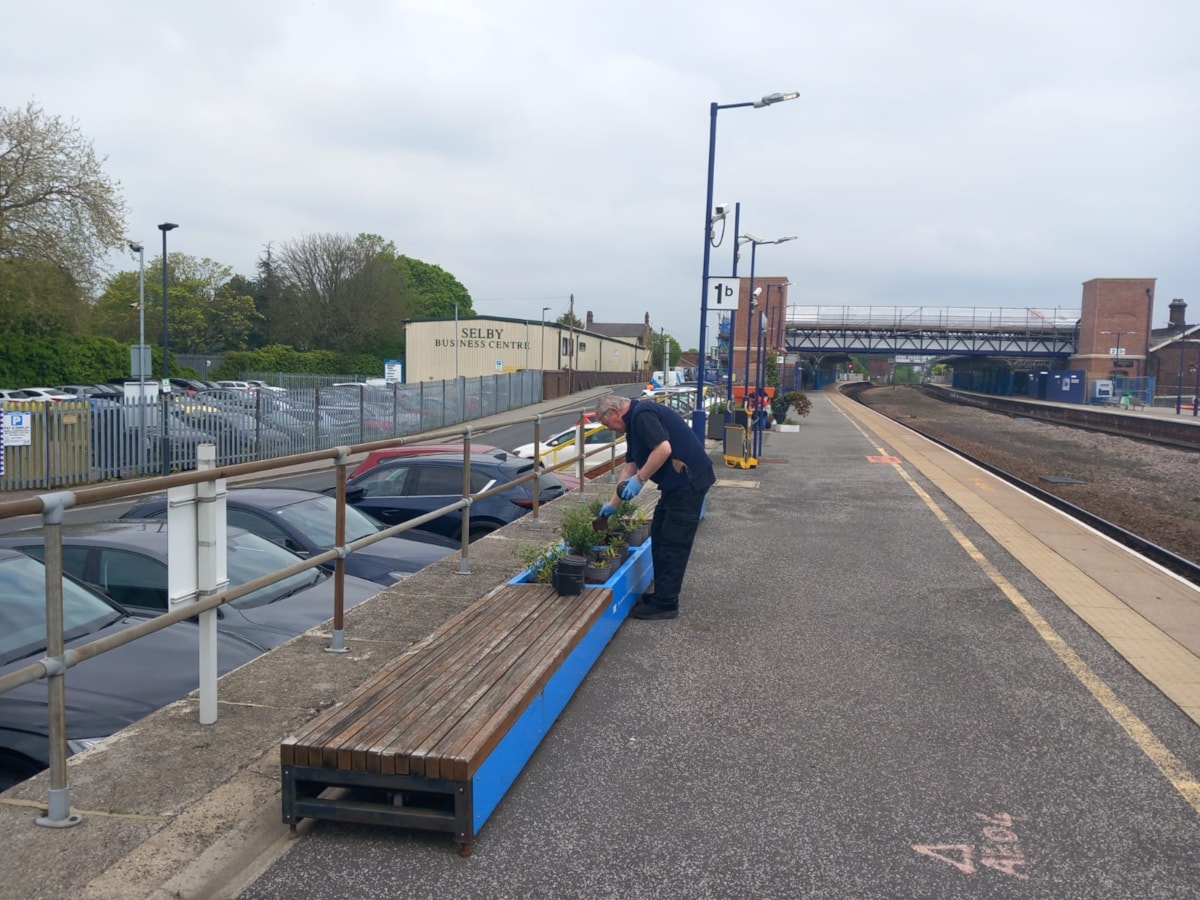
(941, 152)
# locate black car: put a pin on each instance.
(399, 489)
(105, 693)
(303, 522)
(128, 562)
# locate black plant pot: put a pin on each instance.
(568, 575)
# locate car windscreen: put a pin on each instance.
(314, 518)
(250, 556)
(23, 609)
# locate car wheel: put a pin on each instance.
(480, 531)
(15, 768)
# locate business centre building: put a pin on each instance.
(440, 349)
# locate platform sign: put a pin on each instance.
(723, 293)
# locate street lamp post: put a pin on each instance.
(166, 444)
(754, 242)
(545, 309)
(140, 250)
(768, 100)
(456, 336)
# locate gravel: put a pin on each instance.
(1147, 489)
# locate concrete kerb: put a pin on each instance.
(180, 833)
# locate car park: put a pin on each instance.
(127, 560)
(302, 522)
(561, 448)
(398, 490)
(234, 385)
(104, 693)
(41, 395)
(375, 457)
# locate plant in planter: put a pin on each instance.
(797, 400)
(636, 522)
(577, 532)
(540, 561)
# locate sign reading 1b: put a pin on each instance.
(723, 293)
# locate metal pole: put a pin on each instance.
(698, 412)
(753, 306)
(1179, 392)
(141, 355)
(544, 311)
(166, 441)
(456, 344)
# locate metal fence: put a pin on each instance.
(53, 445)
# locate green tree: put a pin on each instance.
(657, 340)
(37, 298)
(570, 320)
(206, 310)
(56, 203)
(341, 293)
(434, 290)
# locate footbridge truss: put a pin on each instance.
(932, 331)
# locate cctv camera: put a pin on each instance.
(135, 246)
(721, 210)
(757, 291)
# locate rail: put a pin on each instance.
(51, 506)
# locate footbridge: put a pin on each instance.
(930, 330)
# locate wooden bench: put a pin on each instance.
(436, 737)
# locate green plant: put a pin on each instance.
(631, 515)
(539, 560)
(797, 400)
(577, 532)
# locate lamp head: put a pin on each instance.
(167, 226)
(748, 238)
(135, 246)
(776, 98)
(781, 240)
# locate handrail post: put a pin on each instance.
(58, 812)
(337, 639)
(537, 469)
(464, 555)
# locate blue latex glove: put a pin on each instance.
(607, 510)
(630, 488)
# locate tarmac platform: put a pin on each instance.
(892, 676)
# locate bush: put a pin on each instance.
(797, 400)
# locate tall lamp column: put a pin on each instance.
(166, 440)
(698, 414)
(142, 355)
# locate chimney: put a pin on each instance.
(1178, 309)
(589, 320)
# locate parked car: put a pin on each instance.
(397, 490)
(375, 457)
(560, 448)
(302, 522)
(230, 385)
(128, 561)
(41, 395)
(105, 693)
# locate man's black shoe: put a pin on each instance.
(653, 611)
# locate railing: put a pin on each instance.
(51, 507)
(78, 442)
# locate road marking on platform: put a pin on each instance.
(1158, 753)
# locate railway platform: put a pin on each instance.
(892, 676)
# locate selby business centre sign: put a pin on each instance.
(487, 338)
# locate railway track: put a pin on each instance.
(1168, 559)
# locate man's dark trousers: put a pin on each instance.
(672, 532)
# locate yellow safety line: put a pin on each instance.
(1175, 771)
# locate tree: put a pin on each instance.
(208, 309)
(38, 299)
(657, 340)
(434, 290)
(341, 293)
(570, 320)
(56, 203)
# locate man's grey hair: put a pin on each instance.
(611, 401)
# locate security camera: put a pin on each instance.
(757, 291)
(135, 246)
(721, 210)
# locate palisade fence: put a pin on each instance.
(47, 446)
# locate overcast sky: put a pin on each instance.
(942, 152)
